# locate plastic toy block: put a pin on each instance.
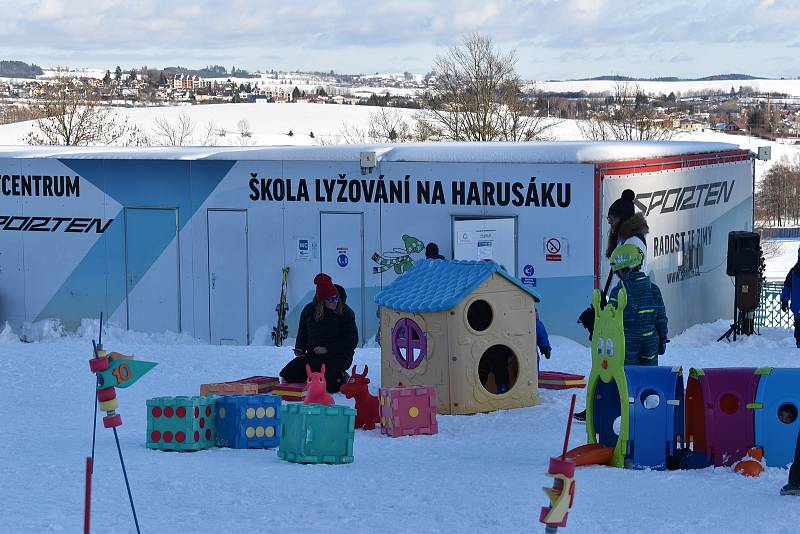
(252, 385)
(181, 423)
(289, 392)
(313, 433)
(408, 410)
(248, 421)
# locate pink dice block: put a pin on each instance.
(408, 410)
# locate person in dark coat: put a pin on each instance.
(791, 295)
(432, 252)
(326, 334)
(793, 487)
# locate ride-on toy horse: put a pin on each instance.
(367, 415)
(316, 392)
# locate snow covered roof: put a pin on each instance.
(533, 152)
(438, 285)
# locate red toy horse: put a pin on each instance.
(367, 415)
(316, 392)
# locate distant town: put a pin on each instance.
(25, 88)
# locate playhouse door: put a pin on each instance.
(152, 284)
(490, 238)
(342, 255)
(227, 276)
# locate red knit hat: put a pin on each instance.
(325, 287)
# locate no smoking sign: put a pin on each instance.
(552, 249)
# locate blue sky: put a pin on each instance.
(554, 39)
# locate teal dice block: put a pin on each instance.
(314, 434)
(181, 423)
(248, 421)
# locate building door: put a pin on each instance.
(228, 277)
(486, 238)
(152, 281)
(342, 257)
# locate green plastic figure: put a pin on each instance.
(608, 364)
(398, 259)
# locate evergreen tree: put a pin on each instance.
(107, 79)
(118, 73)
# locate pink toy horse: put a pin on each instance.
(367, 415)
(316, 392)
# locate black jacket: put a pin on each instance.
(337, 333)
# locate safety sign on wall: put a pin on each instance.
(342, 259)
(555, 248)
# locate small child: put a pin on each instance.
(542, 341)
(791, 294)
(644, 318)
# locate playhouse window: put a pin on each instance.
(729, 404)
(479, 315)
(650, 399)
(787, 413)
(409, 344)
(498, 369)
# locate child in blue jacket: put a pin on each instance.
(644, 317)
(791, 294)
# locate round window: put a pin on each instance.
(498, 369)
(409, 344)
(479, 315)
(650, 399)
(729, 404)
(787, 413)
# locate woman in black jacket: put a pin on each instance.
(327, 334)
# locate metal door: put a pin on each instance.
(342, 257)
(152, 281)
(228, 287)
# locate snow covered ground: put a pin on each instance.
(270, 125)
(784, 259)
(481, 473)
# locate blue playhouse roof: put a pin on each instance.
(438, 285)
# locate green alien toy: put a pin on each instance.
(608, 364)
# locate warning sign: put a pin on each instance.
(552, 249)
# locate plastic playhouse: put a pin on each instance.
(460, 326)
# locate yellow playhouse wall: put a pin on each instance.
(513, 325)
(433, 371)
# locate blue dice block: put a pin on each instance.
(248, 421)
(313, 433)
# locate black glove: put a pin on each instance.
(546, 352)
(662, 347)
(586, 319)
(785, 305)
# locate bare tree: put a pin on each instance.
(181, 132)
(386, 125)
(245, 133)
(628, 118)
(72, 117)
(478, 97)
(778, 194)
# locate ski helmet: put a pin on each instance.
(626, 257)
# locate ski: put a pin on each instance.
(281, 330)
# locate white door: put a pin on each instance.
(228, 286)
(152, 282)
(341, 256)
(486, 239)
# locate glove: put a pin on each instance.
(662, 347)
(546, 352)
(785, 305)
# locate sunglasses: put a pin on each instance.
(333, 299)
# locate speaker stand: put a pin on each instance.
(734, 328)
